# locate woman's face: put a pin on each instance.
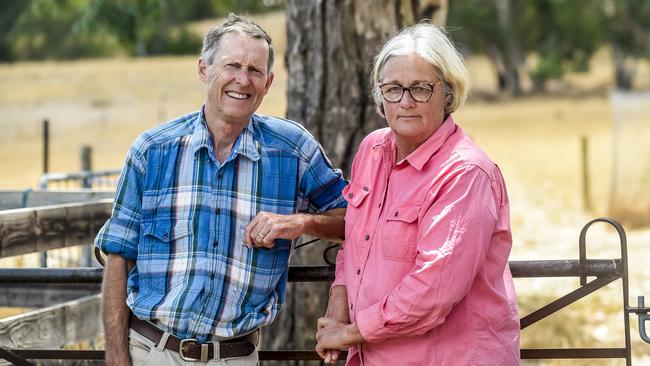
(412, 122)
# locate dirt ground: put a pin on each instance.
(535, 140)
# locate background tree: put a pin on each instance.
(562, 35)
(68, 29)
(628, 31)
(486, 27)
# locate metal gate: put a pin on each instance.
(603, 272)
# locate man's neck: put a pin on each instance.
(224, 134)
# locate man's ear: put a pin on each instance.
(202, 70)
(269, 81)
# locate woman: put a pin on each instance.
(423, 276)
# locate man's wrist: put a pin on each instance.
(305, 223)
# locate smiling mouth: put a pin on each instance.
(236, 95)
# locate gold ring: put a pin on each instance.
(260, 235)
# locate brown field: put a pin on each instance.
(535, 140)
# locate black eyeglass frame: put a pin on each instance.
(431, 85)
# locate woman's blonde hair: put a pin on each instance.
(431, 43)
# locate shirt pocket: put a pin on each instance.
(164, 246)
(399, 241)
(355, 194)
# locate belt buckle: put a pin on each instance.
(204, 350)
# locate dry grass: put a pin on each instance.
(535, 141)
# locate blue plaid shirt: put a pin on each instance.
(181, 215)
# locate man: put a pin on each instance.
(205, 213)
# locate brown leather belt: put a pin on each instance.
(191, 349)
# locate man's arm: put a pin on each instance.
(115, 313)
(266, 227)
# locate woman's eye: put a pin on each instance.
(394, 90)
(420, 89)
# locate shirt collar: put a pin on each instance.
(246, 144)
(423, 153)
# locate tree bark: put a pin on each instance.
(514, 56)
(623, 75)
(330, 48)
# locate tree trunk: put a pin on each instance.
(330, 48)
(623, 75)
(514, 56)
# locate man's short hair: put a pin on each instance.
(234, 23)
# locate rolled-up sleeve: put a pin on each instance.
(321, 185)
(120, 234)
(454, 235)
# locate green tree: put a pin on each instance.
(38, 29)
(628, 31)
(567, 34)
(64, 29)
(143, 27)
(563, 34)
(11, 9)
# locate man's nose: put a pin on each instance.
(243, 77)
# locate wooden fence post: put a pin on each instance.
(85, 156)
(46, 169)
(584, 155)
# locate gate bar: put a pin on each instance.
(548, 268)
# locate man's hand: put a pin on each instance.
(266, 227)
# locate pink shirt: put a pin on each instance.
(425, 258)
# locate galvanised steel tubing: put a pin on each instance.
(566, 300)
(568, 353)
(531, 353)
(306, 355)
(549, 268)
(13, 357)
(624, 275)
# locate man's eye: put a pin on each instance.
(232, 66)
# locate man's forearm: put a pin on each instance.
(328, 225)
(115, 312)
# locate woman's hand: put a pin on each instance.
(334, 336)
(337, 309)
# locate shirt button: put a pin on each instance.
(367, 237)
(215, 243)
(379, 205)
(351, 306)
(212, 276)
(358, 270)
(349, 195)
(217, 210)
(396, 213)
(219, 175)
(166, 235)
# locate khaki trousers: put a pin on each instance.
(145, 352)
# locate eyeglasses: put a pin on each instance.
(420, 92)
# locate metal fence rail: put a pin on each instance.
(604, 271)
(106, 179)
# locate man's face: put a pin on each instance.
(238, 78)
